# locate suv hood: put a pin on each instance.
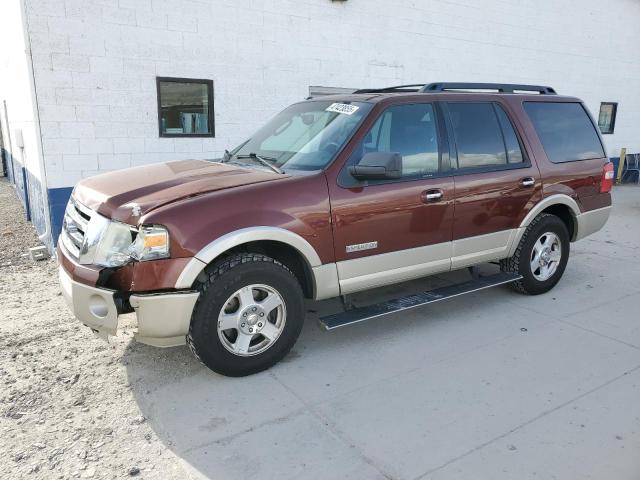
(126, 195)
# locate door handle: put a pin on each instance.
(527, 182)
(431, 195)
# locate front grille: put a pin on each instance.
(74, 227)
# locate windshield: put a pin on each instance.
(304, 136)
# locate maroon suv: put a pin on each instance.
(336, 195)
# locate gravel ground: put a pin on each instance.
(67, 406)
(16, 235)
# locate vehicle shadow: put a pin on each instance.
(208, 420)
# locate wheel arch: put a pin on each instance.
(562, 206)
(287, 247)
(564, 213)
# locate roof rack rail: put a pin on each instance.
(499, 87)
(461, 87)
(395, 89)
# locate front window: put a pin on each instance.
(304, 136)
(409, 130)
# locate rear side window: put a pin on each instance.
(565, 130)
(478, 135)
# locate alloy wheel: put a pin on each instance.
(251, 320)
(545, 256)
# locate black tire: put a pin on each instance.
(223, 279)
(520, 262)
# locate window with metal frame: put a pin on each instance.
(185, 107)
(607, 117)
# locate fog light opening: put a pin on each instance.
(98, 306)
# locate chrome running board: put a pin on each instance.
(360, 314)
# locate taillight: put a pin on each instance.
(606, 182)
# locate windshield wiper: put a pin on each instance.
(262, 160)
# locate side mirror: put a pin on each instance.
(378, 165)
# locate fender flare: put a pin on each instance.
(557, 199)
(232, 239)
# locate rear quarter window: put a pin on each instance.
(565, 131)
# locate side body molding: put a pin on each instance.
(327, 287)
(557, 199)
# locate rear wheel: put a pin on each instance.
(248, 316)
(541, 256)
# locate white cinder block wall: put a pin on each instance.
(18, 115)
(95, 63)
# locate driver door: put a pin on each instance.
(387, 231)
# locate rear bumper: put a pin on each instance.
(163, 318)
(591, 221)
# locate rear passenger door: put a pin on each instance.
(496, 183)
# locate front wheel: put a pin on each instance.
(248, 316)
(541, 256)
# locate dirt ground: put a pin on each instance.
(67, 407)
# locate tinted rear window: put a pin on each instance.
(565, 130)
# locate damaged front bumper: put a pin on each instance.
(163, 318)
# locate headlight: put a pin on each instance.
(112, 250)
(121, 243)
(151, 243)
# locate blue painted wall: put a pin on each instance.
(37, 200)
(9, 164)
(16, 176)
(30, 191)
(58, 198)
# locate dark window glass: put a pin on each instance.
(409, 130)
(478, 135)
(514, 153)
(607, 117)
(185, 107)
(565, 130)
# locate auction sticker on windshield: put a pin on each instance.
(342, 108)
